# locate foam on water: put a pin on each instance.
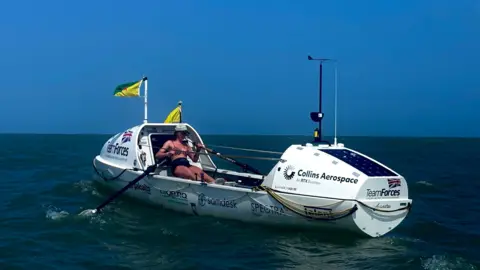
(54, 213)
(84, 185)
(426, 183)
(443, 262)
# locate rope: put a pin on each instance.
(248, 157)
(247, 149)
(103, 177)
(227, 156)
(155, 187)
(295, 207)
(409, 206)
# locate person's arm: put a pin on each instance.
(194, 156)
(163, 152)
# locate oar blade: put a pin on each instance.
(88, 212)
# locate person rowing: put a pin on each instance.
(178, 150)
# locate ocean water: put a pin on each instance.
(46, 180)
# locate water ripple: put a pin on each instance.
(45, 188)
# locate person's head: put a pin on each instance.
(181, 132)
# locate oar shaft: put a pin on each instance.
(246, 167)
(243, 165)
(130, 184)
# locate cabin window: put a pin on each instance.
(157, 141)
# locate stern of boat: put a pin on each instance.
(378, 194)
(383, 204)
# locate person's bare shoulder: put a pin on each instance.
(167, 145)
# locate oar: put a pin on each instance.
(238, 163)
(118, 193)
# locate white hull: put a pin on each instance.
(256, 206)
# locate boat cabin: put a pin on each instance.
(152, 137)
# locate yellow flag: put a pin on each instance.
(175, 116)
(130, 89)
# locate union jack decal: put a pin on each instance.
(393, 183)
(127, 136)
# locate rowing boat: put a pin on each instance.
(313, 184)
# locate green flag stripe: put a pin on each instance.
(120, 87)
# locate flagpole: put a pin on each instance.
(145, 79)
(180, 104)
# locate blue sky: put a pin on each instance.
(406, 68)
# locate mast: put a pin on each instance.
(318, 116)
(336, 86)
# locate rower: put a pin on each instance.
(178, 150)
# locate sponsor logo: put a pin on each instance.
(141, 187)
(340, 179)
(392, 183)
(383, 206)
(307, 176)
(175, 196)
(286, 188)
(204, 200)
(308, 181)
(317, 212)
(289, 172)
(127, 136)
(117, 150)
(258, 209)
(382, 193)
(310, 176)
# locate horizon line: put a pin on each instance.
(264, 135)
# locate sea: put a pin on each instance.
(46, 181)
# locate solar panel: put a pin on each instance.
(359, 162)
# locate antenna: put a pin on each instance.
(318, 116)
(336, 85)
